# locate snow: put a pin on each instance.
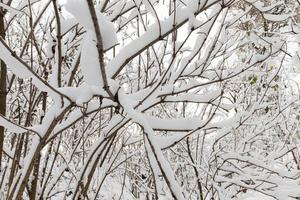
(89, 58)
(22, 70)
(49, 117)
(67, 23)
(50, 45)
(154, 149)
(12, 11)
(108, 31)
(150, 36)
(260, 5)
(147, 126)
(277, 18)
(10, 126)
(89, 61)
(79, 9)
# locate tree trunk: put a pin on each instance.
(3, 74)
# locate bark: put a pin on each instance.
(3, 93)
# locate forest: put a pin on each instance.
(149, 99)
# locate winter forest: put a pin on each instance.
(149, 99)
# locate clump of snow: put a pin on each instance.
(79, 9)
